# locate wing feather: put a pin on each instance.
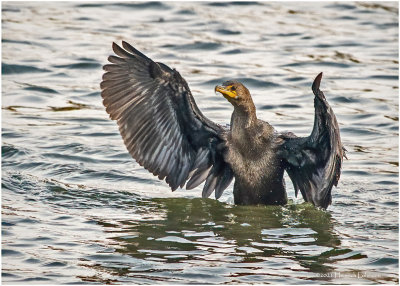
(313, 163)
(160, 123)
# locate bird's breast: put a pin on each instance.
(253, 163)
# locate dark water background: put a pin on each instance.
(77, 209)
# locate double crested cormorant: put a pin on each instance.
(164, 130)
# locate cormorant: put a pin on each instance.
(166, 133)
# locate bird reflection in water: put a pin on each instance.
(249, 239)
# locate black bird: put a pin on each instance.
(164, 130)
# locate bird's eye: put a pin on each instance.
(233, 88)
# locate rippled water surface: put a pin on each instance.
(76, 208)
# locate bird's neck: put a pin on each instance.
(243, 117)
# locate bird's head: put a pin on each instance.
(235, 92)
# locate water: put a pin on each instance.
(77, 209)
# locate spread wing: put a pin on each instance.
(314, 162)
(160, 123)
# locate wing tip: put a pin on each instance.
(126, 45)
(132, 50)
(316, 83)
(114, 46)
